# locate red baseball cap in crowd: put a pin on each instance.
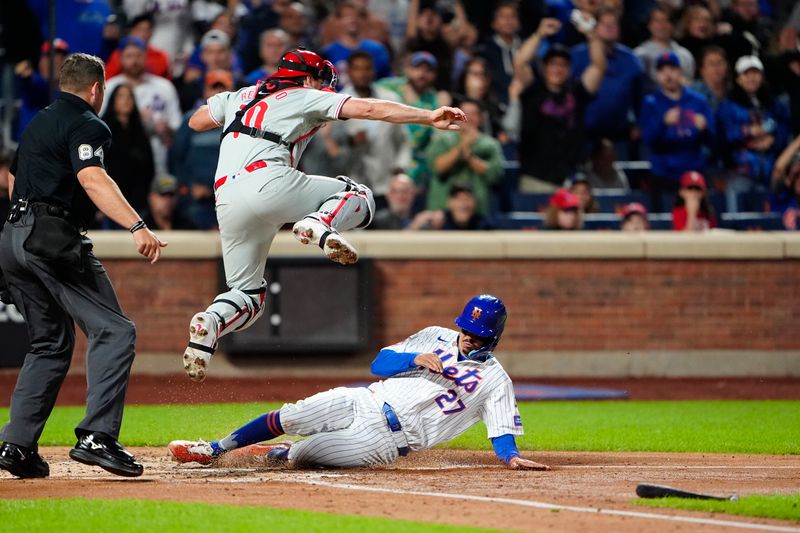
(692, 178)
(563, 199)
(60, 46)
(633, 208)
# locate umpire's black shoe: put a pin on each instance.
(99, 449)
(22, 462)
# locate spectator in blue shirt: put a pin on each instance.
(755, 128)
(272, 45)
(785, 197)
(611, 114)
(82, 23)
(193, 158)
(33, 85)
(338, 51)
(676, 123)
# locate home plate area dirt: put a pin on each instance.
(582, 492)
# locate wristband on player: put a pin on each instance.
(136, 227)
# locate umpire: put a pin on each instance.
(54, 278)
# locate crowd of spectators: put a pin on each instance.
(703, 94)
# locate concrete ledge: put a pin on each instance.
(655, 364)
(714, 245)
(791, 245)
(489, 245)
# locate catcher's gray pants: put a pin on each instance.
(346, 427)
(50, 298)
(252, 207)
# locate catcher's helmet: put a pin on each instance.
(300, 62)
(484, 316)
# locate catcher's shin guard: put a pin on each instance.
(354, 207)
(236, 309)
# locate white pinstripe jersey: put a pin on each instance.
(435, 408)
(295, 114)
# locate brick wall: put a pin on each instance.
(553, 304)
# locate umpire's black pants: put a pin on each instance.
(50, 296)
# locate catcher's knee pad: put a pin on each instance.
(238, 309)
(351, 208)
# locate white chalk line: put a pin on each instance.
(555, 507)
(684, 467)
(603, 467)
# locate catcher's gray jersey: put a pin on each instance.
(434, 408)
(295, 114)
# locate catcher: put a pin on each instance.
(441, 382)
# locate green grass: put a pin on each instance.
(122, 516)
(780, 506)
(761, 427)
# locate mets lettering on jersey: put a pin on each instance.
(437, 407)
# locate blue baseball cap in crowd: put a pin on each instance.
(130, 40)
(424, 58)
(668, 58)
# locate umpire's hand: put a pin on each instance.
(148, 244)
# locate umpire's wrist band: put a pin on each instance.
(136, 227)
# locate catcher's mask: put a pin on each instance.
(300, 63)
(484, 316)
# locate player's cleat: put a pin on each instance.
(202, 345)
(99, 449)
(185, 451)
(336, 248)
(22, 462)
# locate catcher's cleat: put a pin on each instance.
(185, 451)
(336, 248)
(202, 345)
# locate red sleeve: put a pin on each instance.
(158, 63)
(679, 218)
(112, 65)
(712, 221)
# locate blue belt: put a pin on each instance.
(394, 425)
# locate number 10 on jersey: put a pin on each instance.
(445, 399)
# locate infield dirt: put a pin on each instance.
(448, 478)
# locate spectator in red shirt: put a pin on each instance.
(692, 210)
(156, 62)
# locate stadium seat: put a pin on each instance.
(601, 221)
(523, 201)
(613, 200)
(518, 220)
(752, 221)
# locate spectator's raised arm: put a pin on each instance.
(592, 77)
(527, 52)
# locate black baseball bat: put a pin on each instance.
(661, 491)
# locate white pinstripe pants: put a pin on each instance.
(346, 427)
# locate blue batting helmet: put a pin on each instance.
(484, 316)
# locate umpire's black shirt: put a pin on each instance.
(62, 139)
